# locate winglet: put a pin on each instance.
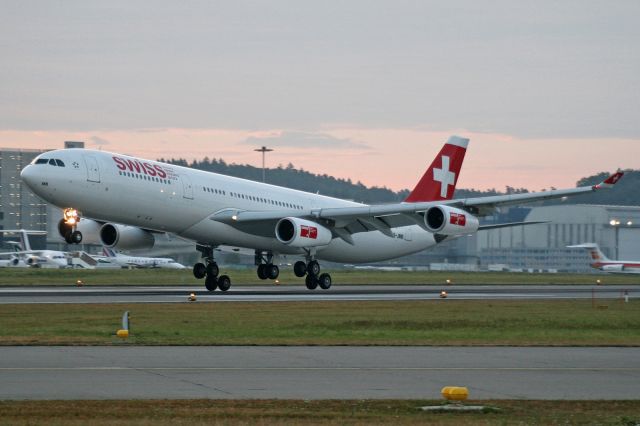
(610, 181)
(439, 181)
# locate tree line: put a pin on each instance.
(625, 193)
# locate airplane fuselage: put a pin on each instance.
(169, 198)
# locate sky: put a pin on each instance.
(547, 91)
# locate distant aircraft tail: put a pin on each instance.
(109, 252)
(594, 251)
(439, 181)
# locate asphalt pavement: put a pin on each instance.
(318, 372)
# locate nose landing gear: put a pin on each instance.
(68, 226)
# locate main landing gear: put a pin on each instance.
(209, 271)
(314, 278)
(266, 269)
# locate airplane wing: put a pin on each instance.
(22, 252)
(345, 221)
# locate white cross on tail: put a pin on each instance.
(444, 176)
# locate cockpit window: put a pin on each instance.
(52, 162)
(59, 163)
(42, 161)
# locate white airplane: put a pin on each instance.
(603, 263)
(121, 201)
(140, 262)
(25, 256)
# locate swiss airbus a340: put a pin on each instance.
(121, 202)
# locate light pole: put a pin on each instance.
(263, 150)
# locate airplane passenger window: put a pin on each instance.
(42, 161)
(59, 163)
(52, 162)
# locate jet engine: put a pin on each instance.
(296, 232)
(32, 261)
(613, 268)
(445, 220)
(125, 237)
(89, 231)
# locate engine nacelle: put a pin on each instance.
(14, 261)
(445, 220)
(125, 237)
(296, 232)
(613, 268)
(32, 261)
(90, 230)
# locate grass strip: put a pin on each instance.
(69, 277)
(432, 322)
(325, 412)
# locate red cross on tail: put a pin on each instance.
(439, 181)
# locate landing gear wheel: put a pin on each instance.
(212, 269)
(224, 282)
(199, 271)
(300, 269)
(324, 281)
(262, 271)
(311, 281)
(68, 239)
(313, 268)
(76, 237)
(211, 282)
(273, 271)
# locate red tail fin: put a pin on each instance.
(439, 181)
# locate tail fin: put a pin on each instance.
(594, 251)
(439, 181)
(108, 252)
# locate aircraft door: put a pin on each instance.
(187, 187)
(93, 172)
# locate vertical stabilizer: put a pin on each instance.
(594, 251)
(439, 181)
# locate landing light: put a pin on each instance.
(71, 216)
(234, 217)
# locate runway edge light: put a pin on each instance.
(455, 393)
(123, 333)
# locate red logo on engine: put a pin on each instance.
(458, 219)
(309, 232)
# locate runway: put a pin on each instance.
(230, 372)
(178, 294)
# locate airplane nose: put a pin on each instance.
(28, 176)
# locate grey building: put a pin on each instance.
(615, 228)
(19, 207)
